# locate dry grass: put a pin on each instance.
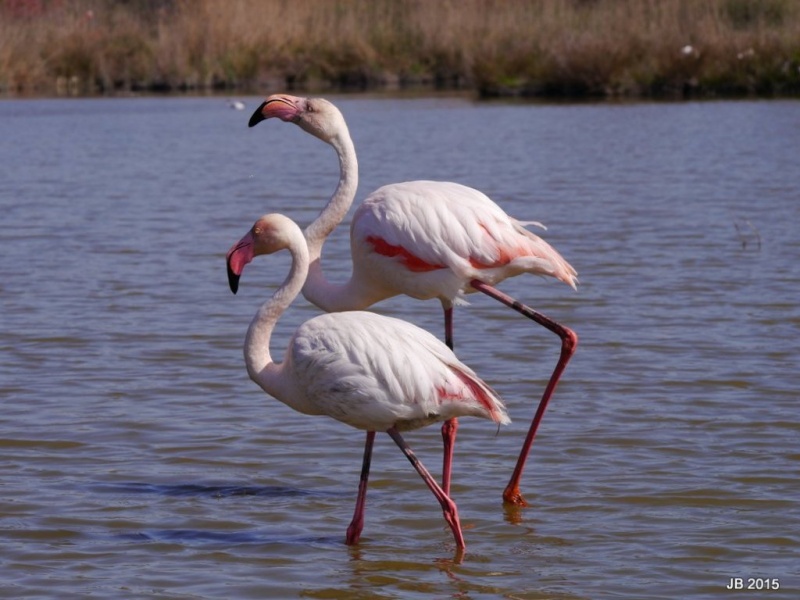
(531, 47)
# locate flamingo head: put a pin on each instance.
(317, 116)
(267, 235)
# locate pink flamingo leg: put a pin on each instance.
(569, 343)
(357, 524)
(450, 427)
(448, 506)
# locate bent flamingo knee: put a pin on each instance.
(569, 344)
(449, 508)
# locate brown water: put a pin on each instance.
(138, 461)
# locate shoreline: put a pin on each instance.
(549, 49)
(403, 92)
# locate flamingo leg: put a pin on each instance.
(449, 427)
(448, 325)
(448, 506)
(569, 343)
(357, 524)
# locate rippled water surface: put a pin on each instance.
(137, 459)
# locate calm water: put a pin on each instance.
(138, 461)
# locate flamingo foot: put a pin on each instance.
(513, 497)
(354, 533)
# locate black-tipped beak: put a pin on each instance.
(257, 117)
(233, 279)
(238, 256)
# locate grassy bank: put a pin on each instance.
(654, 48)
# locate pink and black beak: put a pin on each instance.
(258, 115)
(238, 256)
(281, 106)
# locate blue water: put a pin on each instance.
(137, 459)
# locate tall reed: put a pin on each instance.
(531, 47)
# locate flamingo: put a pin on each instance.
(424, 239)
(341, 366)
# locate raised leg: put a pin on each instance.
(569, 343)
(448, 506)
(450, 427)
(357, 524)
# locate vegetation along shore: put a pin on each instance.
(538, 48)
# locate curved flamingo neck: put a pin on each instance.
(337, 207)
(269, 375)
(317, 290)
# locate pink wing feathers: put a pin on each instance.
(426, 226)
(365, 369)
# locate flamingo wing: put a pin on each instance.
(432, 225)
(374, 372)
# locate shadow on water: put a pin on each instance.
(197, 536)
(192, 535)
(213, 491)
(205, 536)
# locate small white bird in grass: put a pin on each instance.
(689, 50)
(372, 372)
(424, 239)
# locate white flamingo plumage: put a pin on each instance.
(372, 372)
(424, 239)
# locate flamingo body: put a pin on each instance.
(372, 372)
(429, 239)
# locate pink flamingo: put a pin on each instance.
(372, 372)
(424, 239)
